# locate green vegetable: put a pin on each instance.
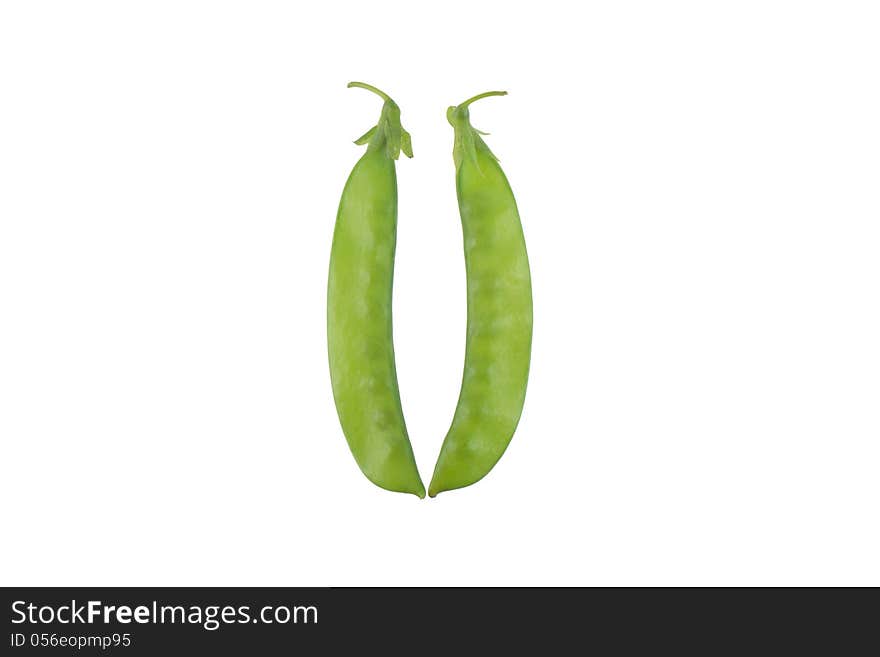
(359, 335)
(499, 308)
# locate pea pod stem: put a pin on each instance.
(485, 94)
(369, 87)
(388, 134)
(467, 138)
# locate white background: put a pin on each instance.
(700, 191)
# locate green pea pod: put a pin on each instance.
(359, 333)
(499, 311)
